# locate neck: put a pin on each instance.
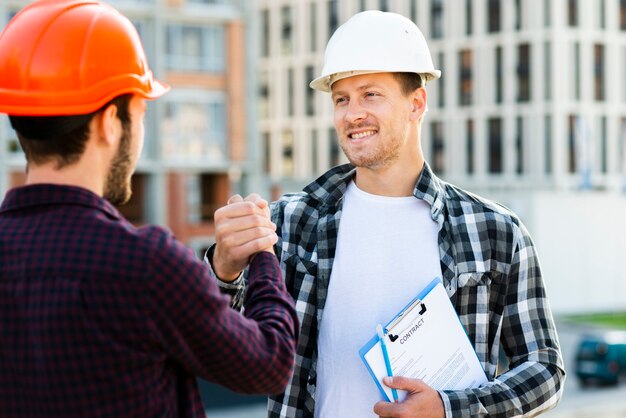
(83, 174)
(395, 179)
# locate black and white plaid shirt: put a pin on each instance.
(491, 273)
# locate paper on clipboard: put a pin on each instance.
(426, 341)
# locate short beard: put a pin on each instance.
(117, 189)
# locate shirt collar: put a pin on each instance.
(53, 194)
(331, 187)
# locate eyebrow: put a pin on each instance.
(360, 88)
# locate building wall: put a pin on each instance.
(196, 134)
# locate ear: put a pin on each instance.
(107, 126)
(418, 103)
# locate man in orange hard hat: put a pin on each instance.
(99, 318)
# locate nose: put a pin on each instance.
(355, 112)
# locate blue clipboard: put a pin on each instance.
(413, 304)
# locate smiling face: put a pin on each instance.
(374, 119)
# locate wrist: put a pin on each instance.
(220, 273)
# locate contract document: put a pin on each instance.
(425, 341)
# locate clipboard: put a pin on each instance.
(425, 340)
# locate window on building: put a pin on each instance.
(290, 93)
(576, 68)
(523, 73)
(495, 145)
(572, 13)
(264, 94)
(195, 48)
(265, 33)
(135, 210)
(469, 21)
(313, 27)
(465, 77)
(469, 146)
(571, 144)
(195, 128)
(314, 152)
(436, 19)
(335, 156)
(13, 145)
(362, 5)
(309, 93)
(493, 16)
(441, 83)
(288, 153)
(214, 190)
(547, 134)
(598, 71)
(547, 13)
(622, 14)
(519, 145)
(604, 159)
(518, 15)
(547, 71)
(383, 5)
(437, 146)
(602, 14)
(333, 16)
(267, 152)
(499, 88)
(414, 10)
(286, 41)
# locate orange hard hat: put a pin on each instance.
(71, 57)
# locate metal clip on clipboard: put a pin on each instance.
(402, 315)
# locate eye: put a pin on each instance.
(371, 94)
(340, 100)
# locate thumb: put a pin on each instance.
(405, 383)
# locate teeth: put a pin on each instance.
(362, 134)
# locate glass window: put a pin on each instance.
(195, 129)
(195, 48)
(264, 95)
(265, 33)
(571, 144)
(598, 71)
(286, 32)
(547, 13)
(314, 152)
(362, 5)
(604, 165)
(576, 68)
(309, 92)
(493, 16)
(333, 16)
(622, 14)
(519, 145)
(267, 152)
(469, 21)
(602, 14)
(572, 12)
(437, 146)
(313, 27)
(518, 15)
(547, 144)
(383, 5)
(469, 135)
(547, 71)
(288, 154)
(495, 145)
(436, 21)
(414, 11)
(441, 83)
(290, 93)
(465, 77)
(523, 73)
(334, 147)
(499, 90)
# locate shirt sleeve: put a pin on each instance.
(195, 326)
(534, 384)
(235, 289)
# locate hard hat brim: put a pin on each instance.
(325, 82)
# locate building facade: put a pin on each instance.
(532, 92)
(195, 151)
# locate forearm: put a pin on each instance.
(236, 289)
(529, 389)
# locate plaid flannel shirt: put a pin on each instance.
(490, 271)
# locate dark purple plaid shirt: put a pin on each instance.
(102, 319)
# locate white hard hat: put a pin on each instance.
(375, 42)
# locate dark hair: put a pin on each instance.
(61, 138)
(409, 82)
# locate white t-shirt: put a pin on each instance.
(387, 251)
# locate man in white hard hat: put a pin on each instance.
(358, 243)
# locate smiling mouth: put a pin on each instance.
(360, 135)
